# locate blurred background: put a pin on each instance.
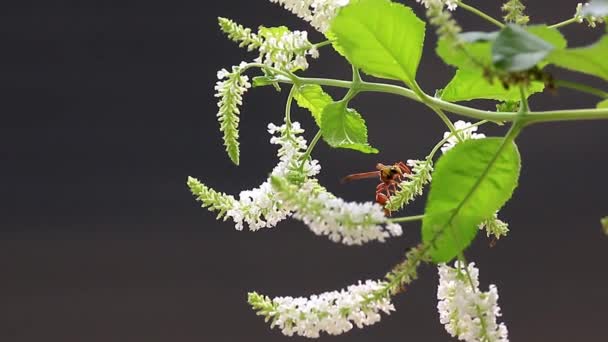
(106, 108)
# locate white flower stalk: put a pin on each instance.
(495, 227)
(260, 207)
(230, 87)
(318, 12)
(334, 312)
(580, 16)
(278, 47)
(466, 132)
(467, 313)
(450, 4)
(350, 223)
(239, 34)
(409, 189)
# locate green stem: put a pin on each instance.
(564, 23)
(534, 117)
(406, 219)
(288, 106)
(480, 14)
(322, 44)
(524, 106)
(582, 88)
(311, 147)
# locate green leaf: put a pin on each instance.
(262, 81)
(313, 98)
(470, 85)
(603, 104)
(479, 46)
(515, 49)
(470, 184)
(382, 38)
(596, 8)
(343, 127)
(590, 60)
(605, 225)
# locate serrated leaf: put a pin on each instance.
(380, 37)
(596, 8)
(590, 60)
(313, 98)
(515, 49)
(470, 85)
(343, 127)
(469, 185)
(603, 104)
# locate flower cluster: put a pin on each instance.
(230, 87)
(580, 16)
(408, 189)
(331, 312)
(465, 131)
(495, 227)
(350, 223)
(446, 27)
(466, 312)
(318, 12)
(278, 46)
(514, 12)
(259, 207)
(450, 4)
(286, 50)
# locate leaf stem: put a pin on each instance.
(582, 88)
(322, 44)
(308, 151)
(406, 219)
(534, 117)
(480, 14)
(288, 106)
(564, 23)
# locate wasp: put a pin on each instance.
(390, 176)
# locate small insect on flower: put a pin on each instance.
(390, 176)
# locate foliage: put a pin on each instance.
(472, 180)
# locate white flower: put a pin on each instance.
(331, 312)
(350, 223)
(495, 226)
(450, 4)
(466, 312)
(230, 87)
(286, 50)
(414, 185)
(259, 207)
(318, 12)
(580, 16)
(464, 134)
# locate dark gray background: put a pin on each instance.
(107, 107)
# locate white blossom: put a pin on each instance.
(259, 207)
(230, 88)
(580, 16)
(350, 223)
(287, 50)
(466, 132)
(319, 13)
(467, 313)
(334, 312)
(450, 4)
(413, 185)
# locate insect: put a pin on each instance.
(390, 176)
